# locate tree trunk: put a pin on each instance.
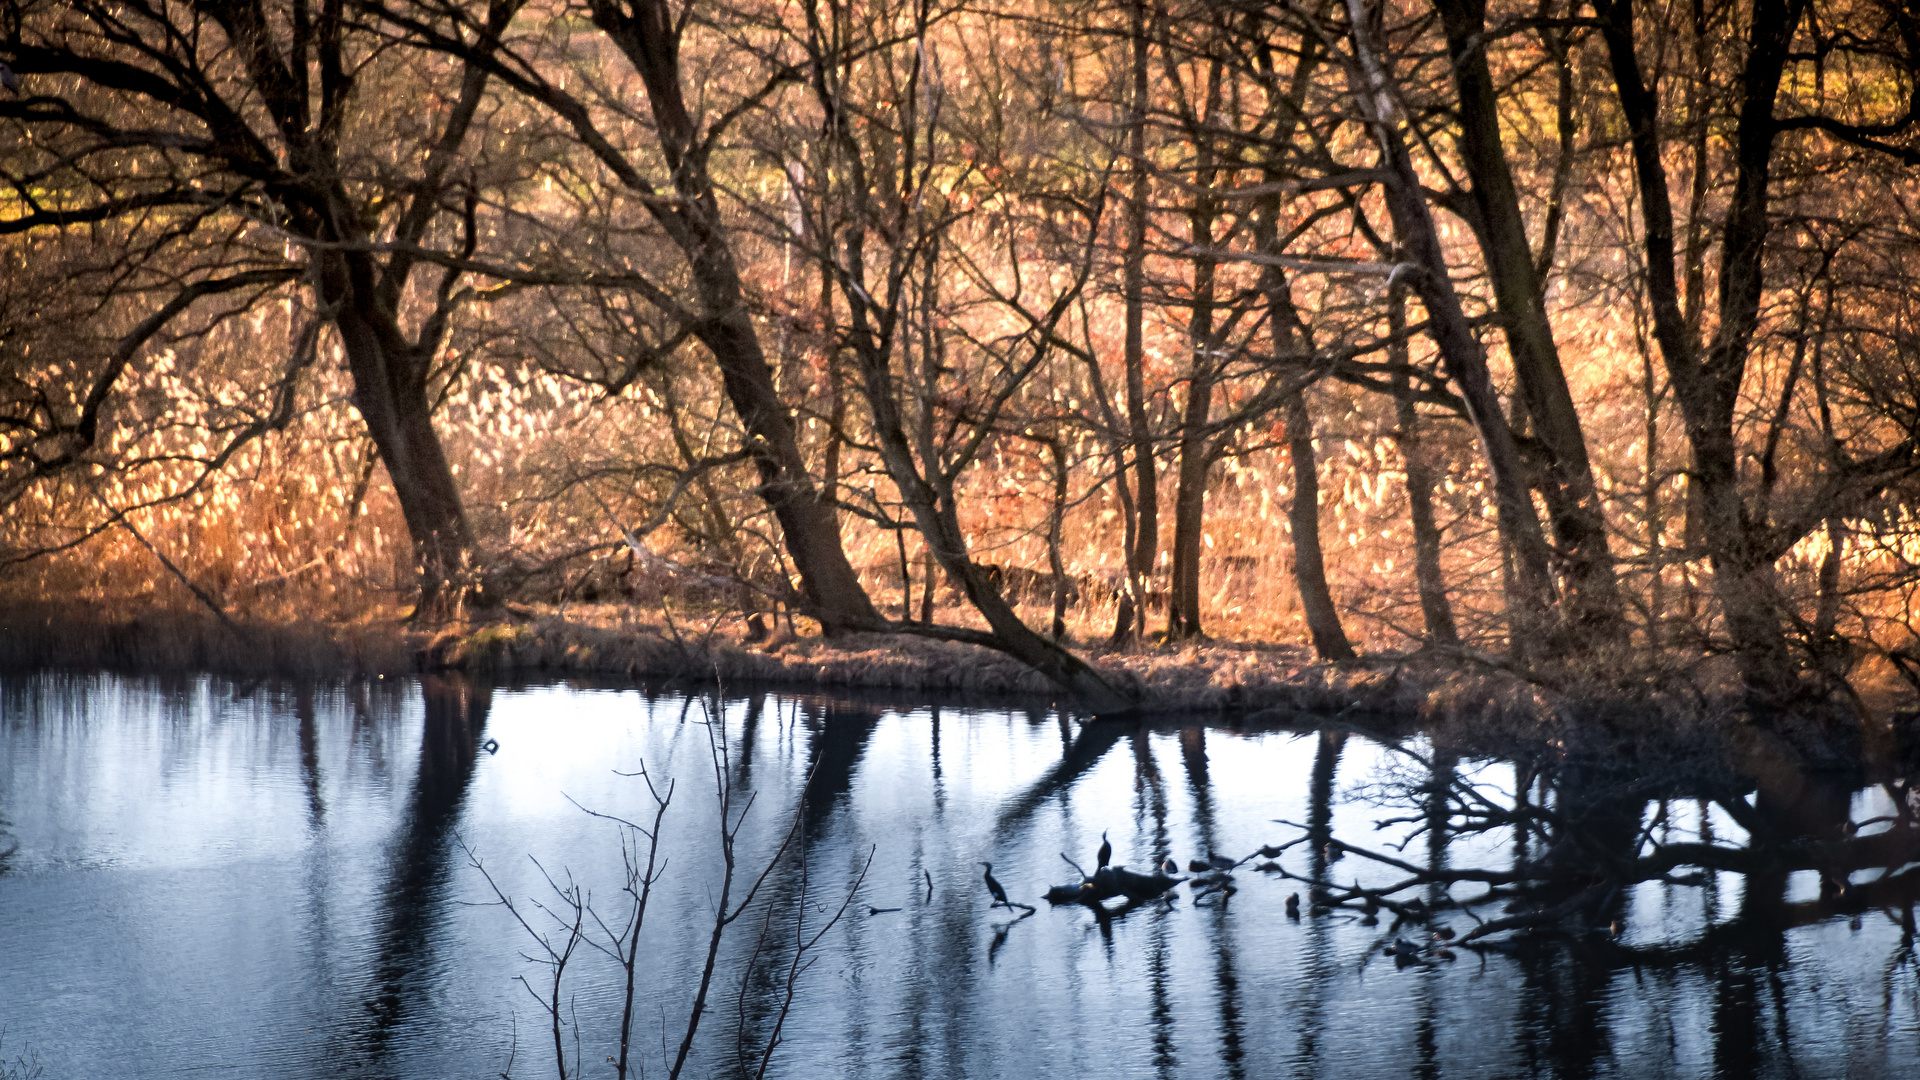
(836, 392)
(926, 587)
(1303, 515)
(1591, 600)
(1291, 340)
(1056, 517)
(1530, 600)
(1195, 445)
(830, 589)
(1124, 628)
(1190, 497)
(1189, 508)
(1146, 531)
(1655, 508)
(390, 393)
(1435, 611)
(939, 523)
(648, 34)
(1706, 383)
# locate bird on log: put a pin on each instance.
(1108, 881)
(999, 892)
(1105, 855)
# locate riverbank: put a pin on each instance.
(1459, 698)
(612, 642)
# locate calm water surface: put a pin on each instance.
(271, 881)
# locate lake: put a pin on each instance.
(271, 880)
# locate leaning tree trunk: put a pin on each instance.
(831, 591)
(1592, 603)
(1303, 516)
(647, 32)
(1530, 602)
(390, 392)
(935, 514)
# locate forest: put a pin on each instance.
(1562, 337)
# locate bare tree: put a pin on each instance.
(239, 121)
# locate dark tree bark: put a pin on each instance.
(1591, 598)
(1189, 506)
(391, 394)
(647, 33)
(1530, 601)
(1195, 446)
(1429, 579)
(1130, 621)
(1293, 348)
(1303, 516)
(390, 372)
(1056, 516)
(836, 388)
(1706, 382)
(933, 506)
(1196, 438)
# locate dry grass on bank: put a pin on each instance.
(608, 640)
(1671, 720)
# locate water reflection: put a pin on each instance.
(271, 881)
(417, 866)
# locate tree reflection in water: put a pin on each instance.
(421, 861)
(1583, 837)
(1608, 918)
(1545, 870)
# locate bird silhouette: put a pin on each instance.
(1106, 851)
(993, 885)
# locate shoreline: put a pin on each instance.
(1455, 700)
(1199, 677)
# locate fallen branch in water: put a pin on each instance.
(1108, 882)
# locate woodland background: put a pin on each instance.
(1580, 334)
